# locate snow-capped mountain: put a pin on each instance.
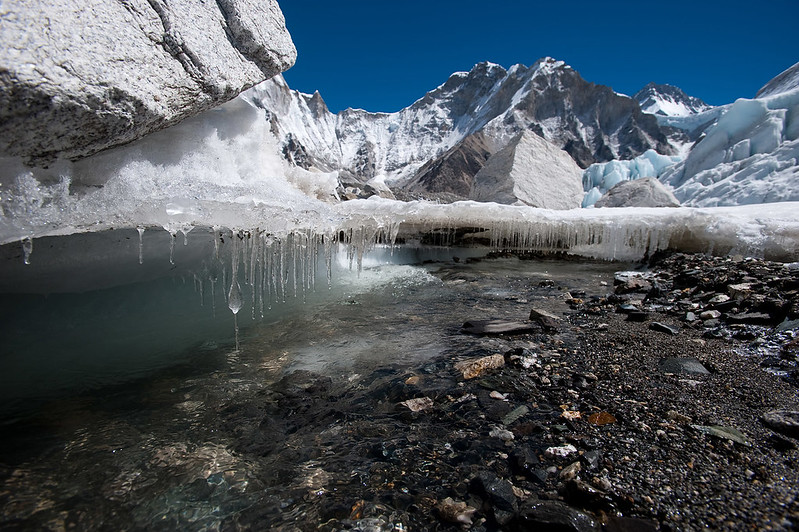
(667, 100)
(476, 113)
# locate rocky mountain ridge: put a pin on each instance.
(438, 144)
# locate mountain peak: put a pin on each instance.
(668, 100)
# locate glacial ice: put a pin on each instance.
(749, 156)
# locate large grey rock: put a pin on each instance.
(79, 77)
(645, 192)
(530, 171)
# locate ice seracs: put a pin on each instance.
(751, 155)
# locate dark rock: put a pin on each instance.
(755, 318)
(626, 308)
(524, 460)
(499, 493)
(548, 321)
(591, 459)
(662, 327)
(554, 516)
(687, 365)
(784, 421)
(629, 524)
(497, 327)
(637, 316)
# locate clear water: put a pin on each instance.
(115, 400)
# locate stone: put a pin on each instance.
(710, 315)
(560, 451)
(532, 171)
(673, 415)
(497, 327)
(554, 515)
(499, 493)
(630, 281)
(644, 192)
(548, 321)
(503, 434)
(754, 318)
(720, 298)
(783, 421)
(662, 327)
(569, 472)
(80, 77)
(601, 418)
(523, 459)
(515, 414)
(688, 365)
(418, 405)
(474, 368)
(726, 433)
(637, 316)
(454, 511)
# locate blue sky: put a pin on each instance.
(383, 55)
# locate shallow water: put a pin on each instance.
(143, 432)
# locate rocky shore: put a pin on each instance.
(668, 402)
(547, 395)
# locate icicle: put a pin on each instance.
(140, 230)
(234, 295)
(172, 236)
(27, 249)
(186, 229)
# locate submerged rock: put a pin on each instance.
(495, 327)
(82, 77)
(474, 368)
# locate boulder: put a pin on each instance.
(80, 77)
(530, 171)
(646, 192)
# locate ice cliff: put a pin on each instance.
(80, 77)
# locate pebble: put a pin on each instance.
(455, 511)
(569, 472)
(560, 451)
(474, 368)
(662, 327)
(418, 405)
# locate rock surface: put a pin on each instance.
(76, 78)
(646, 192)
(530, 171)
